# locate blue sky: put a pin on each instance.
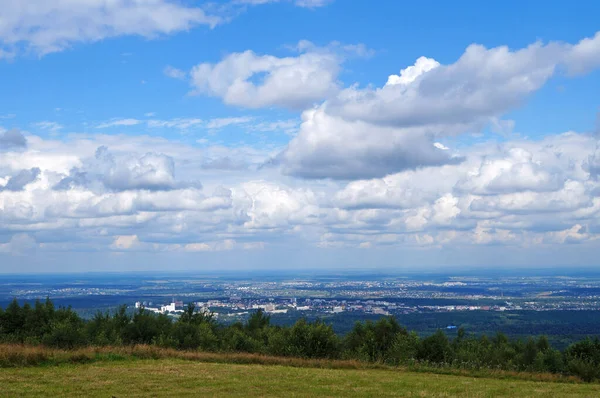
(189, 135)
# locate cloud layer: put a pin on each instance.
(127, 193)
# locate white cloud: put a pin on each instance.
(289, 127)
(268, 205)
(19, 244)
(575, 234)
(569, 197)
(119, 122)
(12, 140)
(585, 56)
(331, 147)
(126, 242)
(18, 181)
(178, 123)
(197, 247)
(410, 74)
(46, 26)
(152, 171)
(49, 126)
(371, 132)
(255, 81)
(483, 83)
(298, 3)
(312, 3)
(175, 73)
(250, 123)
(514, 171)
(483, 234)
(227, 121)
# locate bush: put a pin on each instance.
(584, 368)
(435, 348)
(65, 335)
(404, 349)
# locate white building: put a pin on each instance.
(168, 308)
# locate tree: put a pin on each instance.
(13, 319)
(373, 341)
(257, 321)
(435, 348)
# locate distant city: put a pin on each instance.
(384, 295)
(523, 294)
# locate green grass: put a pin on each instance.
(179, 378)
(152, 371)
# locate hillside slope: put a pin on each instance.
(174, 377)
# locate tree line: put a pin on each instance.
(384, 341)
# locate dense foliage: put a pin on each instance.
(383, 341)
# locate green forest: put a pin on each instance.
(383, 341)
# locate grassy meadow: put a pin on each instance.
(179, 378)
(145, 371)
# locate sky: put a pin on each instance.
(298, 134)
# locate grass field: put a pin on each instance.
(178, 378)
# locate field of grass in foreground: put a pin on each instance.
(177, 378)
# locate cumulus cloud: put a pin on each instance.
(482, 83)
(410, 74)
(370, 132)
(405, 190)
(570, 197)
(266, 205)
(516, 171)
(585, 56)
(126, 242)
(151, 171)
(593, 163)
(576, 234)
(19, 244)
(21, 179)
(46, 26)
(255, 81)
(331, 147)
(12, 139)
